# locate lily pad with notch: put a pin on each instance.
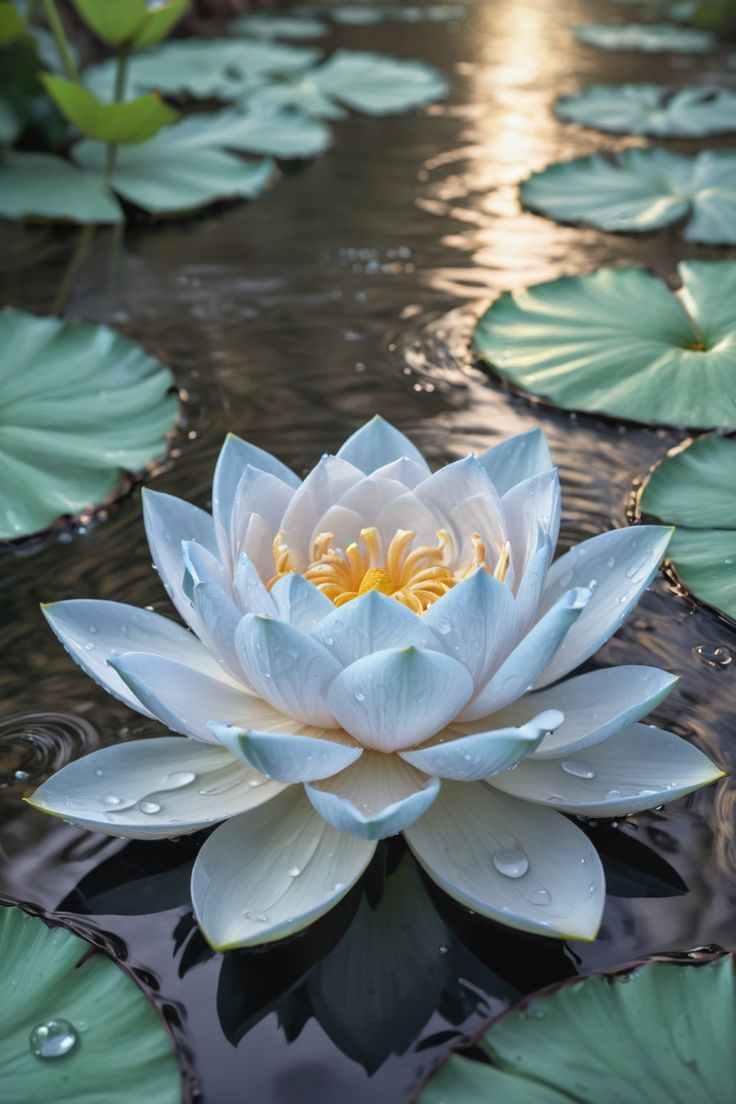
(648, 38)
(81, 405)
(667, 1024)
(640, 190)
(693, 488)
(70, 1020)
(619, 342)
(651, 109)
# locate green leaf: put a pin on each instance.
(81, 405)
(47, 974)
(648, 38)
(37, 185)
(693, 488)
(221, 68)
(640, 190)
(12, 25)
(130, 23)
(619, 342)
(182, 168)
(653, 109)
(664, 1025)
(122, 123)
(371, 83)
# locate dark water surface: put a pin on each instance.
(352, 289)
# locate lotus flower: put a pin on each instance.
(374, 650)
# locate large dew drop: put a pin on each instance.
(511, 862)
(53, 1039)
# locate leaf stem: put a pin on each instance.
(121, 77)
(57, 30)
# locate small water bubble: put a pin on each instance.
(149, 807)
(443, 948)
(99, 772)
(110, 799)
(577, 769)
(338, 886)
(359, 696)
(294, 871)
(718, 657)
(53, 1038)
(539, 897)
(444, 626)
(511, 862)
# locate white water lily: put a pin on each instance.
(377, 649)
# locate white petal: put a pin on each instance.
(472, 624)
(527, 507)
(258, 493)
(372, 623)
(518, 673)
(473, 833)
(516, 459)
(596, 705)
(210, 592)
(168, 522)
(258, 541)
(299, 602)
(408, 472)
(369, 497)
(378, 443)
(288, 668)
(234, 458)
(250, 593)
(463, 479)
(529, 588)
(94, 632)
(399, 697)
(481, 514)
(272, 872)
(467, 758)
(299, 756)
(165, 786)
(378, 796)
(636, 769)
(185, 700)
(620, 564)
(325, 484)
(407, 512)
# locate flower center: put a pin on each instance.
(416, 577)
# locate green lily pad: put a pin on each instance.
(269, 25)
(649, 38)
(222, 68)
(372, 83)
(694, 489)
(81, 405)
(74, 1027)
(664, 1027)
(363, 15)
(183, 167)
(640, 190)
(651, 109)
(131, 23)
(620, 342)
(134, 121)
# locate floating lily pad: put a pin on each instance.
(81, 404)
(363, 15)
(73, 1025)
(619, 342)
(182, 168)
(371, 83)
(223, 68)
(269, 25)
(664, 1025)
(651, 109)
(640, 190)
(694, 488)
(650, 38)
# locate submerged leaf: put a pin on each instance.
(666, 1025)
(619, 342)
(122, 123)
(694, 489)
(648, 38)
(640, 190)
(651, 109)
(70, 1023)
(81, 404)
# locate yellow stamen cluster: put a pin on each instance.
(415, 577)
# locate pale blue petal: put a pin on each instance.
(378, 443)
(299, 602)
(472, 622)
(516, 459)
(288, 756)
(169, 521)
(371, 623)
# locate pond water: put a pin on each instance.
(352, 289)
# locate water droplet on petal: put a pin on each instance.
(444, 626)
(293, 871)
(149, 807)
(53, 1038)
(110, 799)
(577, 769)
(511, 862)
(359, 696)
